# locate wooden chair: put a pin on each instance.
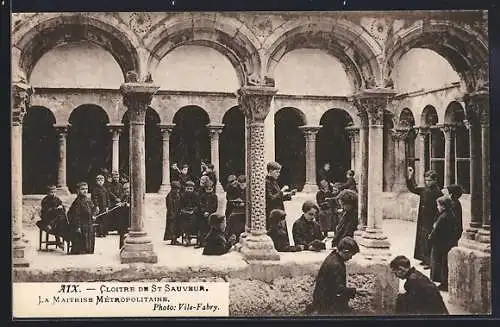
(44, 239)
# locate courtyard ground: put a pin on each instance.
(400, 233)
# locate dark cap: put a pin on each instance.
(51, 188)
(242, 179)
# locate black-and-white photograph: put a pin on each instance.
(317, 163)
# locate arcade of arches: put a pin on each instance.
(358, 90)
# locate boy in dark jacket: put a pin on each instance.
(215, 242)
(53, 216)
(331, 294)
(278, 232)
(422, 296)
(80, 216)
(350, 183)
(208, 206)
(102, 201)
(173, 204)
(306, 231)
(190, 202)
(348, 221)
(274, 195)
(456, 192)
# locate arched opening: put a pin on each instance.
(407, 121)
(332, 143)
(190, 141)
(423, 69)
(434, 148)
(232, 144)
(460, 146)
(312, 72)
(40, 150)
(290, 147)
(80, 65)
(388, 153)
(153, 146)
(89, 144)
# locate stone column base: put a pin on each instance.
(164, 189)
(258, 247)
(62, 191)
(310, 188)
(138, 248)
(18, 258)
(374, 244)
(469, 276)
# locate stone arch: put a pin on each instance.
(455, 113)
(332, 143)
(349, 43)
(190, 140)
(290, 146)
(227, 35)
(465, 49)
(40, 150)
(153, 146)
(429, 116)
(232, 144)
(89, 144)
(43, 32)
(405, 118)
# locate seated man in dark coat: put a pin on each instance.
(331, 294)
(274, 195)
(53, 216)
(348, 221)
(278, 232)
(102, 201)
(306, 231)
(208, 206)
(216, 243)
(80, 216)
(422, 296)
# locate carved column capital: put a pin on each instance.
(62, 130)
(115, 130)
(352, 131)
(478, 106)
(255, 101)
(166, 130)
(401, 134)
(137, 97)
(310, 132)
(447, 128)
(215, 130)
(374, 102)
(21, 98)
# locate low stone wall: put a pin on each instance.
(256, 289)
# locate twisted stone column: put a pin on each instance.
(115, 131)
(62, 186)
(215, 131)
(401, 136)
(374, 101)
(255, 103)
(138, 246)
(21, 97)
(166, 130)
(448, 137)
(310, 133)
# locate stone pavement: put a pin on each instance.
(401, 235)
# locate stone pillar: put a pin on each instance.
(215, 131)
(21, 96)
(115, 137)
(310, 133)
(62, 186)
(353, 133)
(469, 263)
(255, 103)
(166, 130)
(400, 137)
(448, 137)
(138, 246)
(423, 137)
(362, 172)
(374, 101)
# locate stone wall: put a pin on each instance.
(257, 289)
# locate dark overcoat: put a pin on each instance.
(427, 215)
(173, 204)
(80, 219)
(304, 232)
(274, 196)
